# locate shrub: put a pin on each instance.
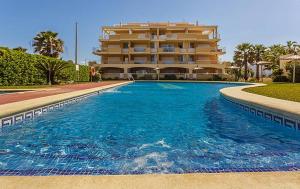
(170, 77)
(20, 68)
(216, 78)
(148, 77)
(280, 78)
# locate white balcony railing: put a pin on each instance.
(139, 61)
(139, 49)
(191, 50)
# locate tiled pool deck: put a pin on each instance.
(206, 178)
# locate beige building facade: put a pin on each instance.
(163, 50)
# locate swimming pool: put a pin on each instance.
(148, 127)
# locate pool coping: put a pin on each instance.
(285, 106)
(14, 108)
(265, 180)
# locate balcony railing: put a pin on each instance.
(140, 49)
(168, 49)
(175, 36)
(111, 50)
(129, 37)
(113, 62)
(210, 49)
(197, 62)
(154, 76)
(125, 50)
(206, 61)
(139, 61)
(183, 36)
(167, 62)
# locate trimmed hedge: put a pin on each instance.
(70, 73)
(18, 68)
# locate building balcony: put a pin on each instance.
(210, 50)
(112, 62)
(140, 50)
(187, 37)
(127, 37)
(166, 37)
(106, 50)
(206, 61)
(168, 50)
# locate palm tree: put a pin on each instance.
(238, 61)
(244, 52)
(48, 44)
(51, 68)
(259, 51)
(273, 53)
(292, 47)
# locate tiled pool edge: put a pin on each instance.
(281, 117)
(266, 114)
(61, 172)
(19, 117)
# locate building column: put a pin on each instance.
(125, 73)
(190, 76)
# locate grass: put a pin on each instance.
(285, 91)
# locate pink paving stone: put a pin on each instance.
(16, 97)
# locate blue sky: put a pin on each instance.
(255, 21)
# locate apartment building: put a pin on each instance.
(163, 50)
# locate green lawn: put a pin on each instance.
(286, 91)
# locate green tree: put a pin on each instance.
(259, 51)
(292, 47)
(273, 53)
(51, 68)
(245, 54)
(48, 44)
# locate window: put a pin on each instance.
(125, 45)
(152, 58)
(192, 45)
(152, 45)
(181, 58)
(180, 45)
(191, 58)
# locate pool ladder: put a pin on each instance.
(130, 78)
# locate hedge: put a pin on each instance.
(18, 68)
(70, 73)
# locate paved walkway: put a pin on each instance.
(37, 93)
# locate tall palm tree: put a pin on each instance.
(245, 53)
(238, 61)
(259, 51)
(47, 43)
(273, 53)
(292, 47)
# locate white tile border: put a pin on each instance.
(32, 112)
(286, 113)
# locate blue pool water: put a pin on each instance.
(148, 127)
